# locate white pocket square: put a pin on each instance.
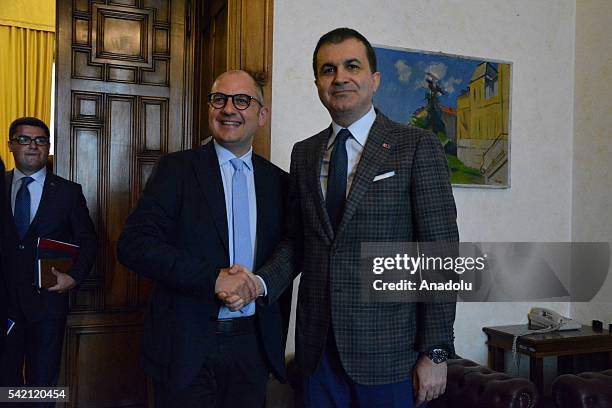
(384, 175)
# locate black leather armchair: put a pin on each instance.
(586, 390)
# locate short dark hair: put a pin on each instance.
(342, 34)
(28, 121)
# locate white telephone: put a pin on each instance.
(542, 318)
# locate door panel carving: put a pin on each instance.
(121, 104)
(129, 80)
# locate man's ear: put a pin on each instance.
(263, 115)
(376, 78)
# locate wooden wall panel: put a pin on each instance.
(96, 342)
(81, 5)
(86, 167)
(82, 68)
(159, 75)
(121, 103)
(121, 74)
(121, 35)
(81, 32)
(120, 121)
(154, 129)
(162, 9)
(161, 44)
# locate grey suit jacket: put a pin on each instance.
(379, 342)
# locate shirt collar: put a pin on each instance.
(224, 156)
(359, 129)
(38, 177)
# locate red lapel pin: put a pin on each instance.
(386, 146)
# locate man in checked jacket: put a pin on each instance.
(363, 179)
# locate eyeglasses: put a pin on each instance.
(241, 101)
(27, 140)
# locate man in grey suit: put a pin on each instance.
(363, 179)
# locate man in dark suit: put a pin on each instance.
(363, 179)
(202, 211)
(46, 206)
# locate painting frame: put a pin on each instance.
(478, 148)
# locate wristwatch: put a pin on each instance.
(438, 355)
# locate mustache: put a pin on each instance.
(342, 87)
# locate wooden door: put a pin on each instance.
(122, 102)
(232, 34)
(130, 85)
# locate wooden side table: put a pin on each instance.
(561, 344)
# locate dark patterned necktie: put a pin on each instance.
(336, 180)
(22, 207)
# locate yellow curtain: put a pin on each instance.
(26, 61)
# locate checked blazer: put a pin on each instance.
(378, 343)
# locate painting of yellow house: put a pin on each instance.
(464, 101)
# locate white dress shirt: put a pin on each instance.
(354, 148)
(35, 188)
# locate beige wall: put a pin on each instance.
(592, 172)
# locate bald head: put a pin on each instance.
(256, 79)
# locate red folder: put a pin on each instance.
(51, 253)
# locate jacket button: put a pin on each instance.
(21, 246)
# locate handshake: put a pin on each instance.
(236, 287)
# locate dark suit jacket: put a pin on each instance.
(378, 343)
(4, 219)
(62, 215)
(177, 235)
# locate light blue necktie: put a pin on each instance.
(243, 249)
(22, 207)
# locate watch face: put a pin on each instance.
(438, 355)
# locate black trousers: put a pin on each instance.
(233, 375)
(37, 346)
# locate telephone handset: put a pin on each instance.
(549, 320)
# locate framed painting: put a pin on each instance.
(464, 101)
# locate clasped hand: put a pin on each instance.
(64, 283)
(237, 287)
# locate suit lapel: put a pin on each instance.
(375, 153)
(208, 175)
(9, 184)
(262, 192)
(8, 178)
(315, 161)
